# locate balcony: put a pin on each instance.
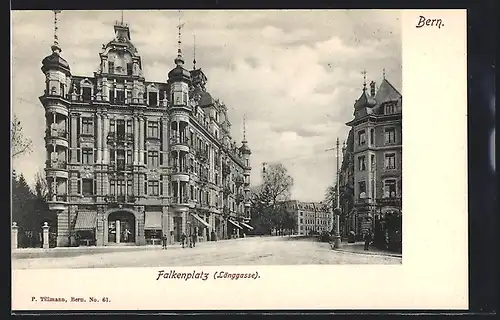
(180, 173)
(121, 198)
(179, 144)
(57, 201)
(57, 165)
(57, 137)
(180, 201)
(120, 137)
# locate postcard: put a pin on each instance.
(239, 160)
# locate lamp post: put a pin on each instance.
(336, 211)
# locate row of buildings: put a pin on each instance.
(130, 160)
(312, 217)
(370, 177)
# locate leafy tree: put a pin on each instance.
(331, 196)
(267, 214)
(19, 143)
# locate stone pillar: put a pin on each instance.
(99, 138)
(45, 235)
(14, 235)
(184, 222)
(117, 229)
(74, 135)
(141, 141)
(136, 141)
(105, 130)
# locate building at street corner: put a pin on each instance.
(129, 160)
(312, 217)
(371, 173)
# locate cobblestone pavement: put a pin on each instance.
(248, 251)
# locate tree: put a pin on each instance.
(267, 214)
(331, 196)
(41, 186)
(19, 143)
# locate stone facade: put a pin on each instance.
(129, 161)
(371, 171)
(312, 217)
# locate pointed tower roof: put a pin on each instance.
(365, 100)
(179, 73)
(55, 61)
(386, 92)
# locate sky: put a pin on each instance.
(294, 75)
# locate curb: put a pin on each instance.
(371, 253)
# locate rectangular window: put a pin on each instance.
(129, 126)
(120, 187)
(87, 156)
(112, 96)
(129, 68)
(390, 161)
(153, 130)
(86, 94)
(112, 187)
(111, 67)
(130, 189)
(153, 159)
(61, 89)
(87, 126)
(87, 187)
(362, 137)
(129, 157)
(372, 162)
(112, 157)
(154, 188)
(362, 163)
(362, 189)
(120, 128)
(153, 99)
(390, 135)
(120, 96)
(390, 188)
(372, 136)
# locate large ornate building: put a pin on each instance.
(371, 173)
(312, 217)
(129, 160)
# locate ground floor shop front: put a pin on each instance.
(142, 225)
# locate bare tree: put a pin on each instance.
(331, 196)
(41, 186)
(277, 183)
(19, 143)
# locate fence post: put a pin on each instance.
(45, 235)
(14, 235)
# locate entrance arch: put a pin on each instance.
(121, 227)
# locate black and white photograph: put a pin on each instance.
(206, 138)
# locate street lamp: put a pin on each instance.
(336, 211)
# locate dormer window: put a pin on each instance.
(390, 108)
(86, 94)
(153, 102)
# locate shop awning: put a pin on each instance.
(197, 217)
(153, 221)
(247, 225)
(235, 223)
(86, 220)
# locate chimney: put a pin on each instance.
(372, 88)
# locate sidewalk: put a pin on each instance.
(358, 247)
(64, 252)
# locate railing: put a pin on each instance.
(180, 169)
(58, 198)
(179, 140)
(56, 164)
(180, 200)
(56, 133)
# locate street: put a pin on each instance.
(247, 251)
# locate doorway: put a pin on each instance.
(121, 227)
(177, 228)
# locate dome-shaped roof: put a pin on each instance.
(179, 73)
(245, 149)
(55, 61)
(365, 101)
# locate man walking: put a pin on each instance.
(368, 239)
(193, 240)
(183, 239)
(164, 241)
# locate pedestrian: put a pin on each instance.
(183, 239)
(193, 237)
(164, 241)
(368, 239)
